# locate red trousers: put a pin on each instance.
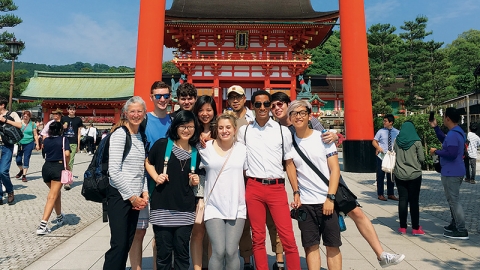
(258, 197)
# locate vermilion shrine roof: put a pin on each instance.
(246, 10)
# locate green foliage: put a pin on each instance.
(25, 105)
(326, 58)
(424, 131)
(169, 67)
(7, 20)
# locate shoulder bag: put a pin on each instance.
(200, 211)
(67, 176)
(345, 200)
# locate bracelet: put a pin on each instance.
(132, 201)
(296, 192)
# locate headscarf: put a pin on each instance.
(407, 136)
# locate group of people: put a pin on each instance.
(201, 175)
(457, 159)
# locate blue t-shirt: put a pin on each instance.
(156, 128)
(53, 148)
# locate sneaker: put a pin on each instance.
(59, 220)
(67, 187)
(472, 181)
(449, 228)
(402, 230)
(389, 259)
(467, 180)
(418, 231)
(456, 235)
(248, 266)
(278, 266)
(43, 231)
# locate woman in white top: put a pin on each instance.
(225, 208)
(316, 197)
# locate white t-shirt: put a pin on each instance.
(227, 200)
(312, 188)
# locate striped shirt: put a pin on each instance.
(127, 176)
(473, 145)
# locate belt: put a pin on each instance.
(269, 181)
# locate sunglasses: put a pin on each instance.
(266, 104)
(159, 96)
(279, 104)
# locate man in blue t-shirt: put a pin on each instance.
(155, 127)
(453, 170)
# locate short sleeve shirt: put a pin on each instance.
(71, 132)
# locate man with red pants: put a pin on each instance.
(267, 143)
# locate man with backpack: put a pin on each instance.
(453, 170)
(471, 159)
(12, 119)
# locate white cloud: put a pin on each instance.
(381, 10)
(455, 10)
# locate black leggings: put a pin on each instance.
(409, 193)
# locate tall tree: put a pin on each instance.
(7, 20)
(383, 46)
(326, 58)
(414, 57)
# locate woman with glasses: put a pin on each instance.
(205, 109)
(225, 210)
(127, 193)
(172, 213)
(317, 198)
(26, 145)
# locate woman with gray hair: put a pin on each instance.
(128, 192)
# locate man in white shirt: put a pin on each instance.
(91, 139)
(267, 143)
(471, 160)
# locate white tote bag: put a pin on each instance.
(388, 162)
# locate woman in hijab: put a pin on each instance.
(408, 176)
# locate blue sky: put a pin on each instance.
(58, 32)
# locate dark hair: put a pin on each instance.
(473, 127)
(181, 118)
(453, 114)
(186, 89)
(71, 106)
(27, 113)
(260, 93)
(281, 96)
(160, 85)
(202, 100)
(55, 129)
(389, 117)
(3, 101)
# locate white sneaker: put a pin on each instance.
(389, 259)
(43, 231)
(59, 220)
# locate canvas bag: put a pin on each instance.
(67, 176)
(388, 162)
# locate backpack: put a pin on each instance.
(10, 134)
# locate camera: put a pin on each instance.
(298, 214)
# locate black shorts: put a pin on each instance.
(317, 225)
(52, 171)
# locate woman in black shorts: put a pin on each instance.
(51, 173)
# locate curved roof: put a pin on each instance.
(245, 9)
(80, 86)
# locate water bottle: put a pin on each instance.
(341, 222)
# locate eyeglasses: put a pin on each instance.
(301, 113)
(279, 104)
(235, 97)
(266, 104)
(188, 128)
(135, 112)
(159, 96)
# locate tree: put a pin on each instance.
(7, 20)
(326, 58)
(169, 67)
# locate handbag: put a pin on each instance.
(200, 211)
(388, 162)
(67, 176)
(345, 200)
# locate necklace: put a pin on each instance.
(184, 163)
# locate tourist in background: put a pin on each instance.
(225, 208)
(173, 200)
(408, 176)
(72, 126)
(26, 145)
(471, 160)
(91, 139)
(57, 155)
(127, 193)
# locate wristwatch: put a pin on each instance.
(296, 192)
(331, 196)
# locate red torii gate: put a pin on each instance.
(358, 151)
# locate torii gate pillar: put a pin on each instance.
(358, 152)
(151, 29)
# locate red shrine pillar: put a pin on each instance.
(358, 152)
(151, 29)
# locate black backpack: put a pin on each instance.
(10, 134)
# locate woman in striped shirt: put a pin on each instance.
(173, 201)
(128, 192)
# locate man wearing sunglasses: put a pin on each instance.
(279, 106)
(186, 95)
(267, 144)
(155, 126)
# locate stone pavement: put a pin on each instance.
(82, 242)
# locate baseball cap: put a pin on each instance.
(237, 89)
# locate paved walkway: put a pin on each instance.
(82, 242)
